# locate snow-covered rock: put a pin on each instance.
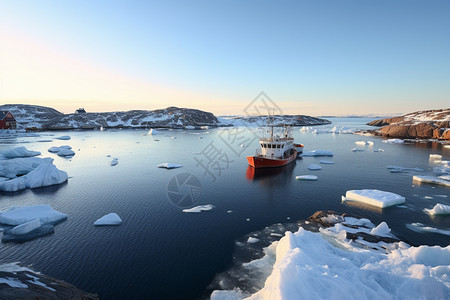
(377, 198)
(277, 120)
(316, 153)
(306, 177)
(109, 219)
(198, 209)
(438, 209)
(20, 215)
(314, 167)
(18, 152)
(169, 165)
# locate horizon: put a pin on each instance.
(327, 58)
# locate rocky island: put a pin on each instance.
(46, 118)
(427, 124)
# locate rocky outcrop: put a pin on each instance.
(30, 285)
(31, 115)
(278, 120)
(421, 125)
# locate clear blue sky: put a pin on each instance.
(314, 57)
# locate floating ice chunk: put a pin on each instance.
(26, 228)
(169, 165)
(11, 168)
(364, 143)
(252, 240)
(108, 220)
(327, 162)
(357, 150)
(114, 162)
(374, 197)
(18, 152)
(306, 177)
(381, 230)
(431, 179)
(64, 137)
(378, 150)
(438, 209)
(55, 149)
(235, 294)
(153, 132)
(19, 215)
(445, 177)
(394, 141)
(190, 127)
(419, 227)
(198, 209)
(314, 167)
(13, 282)
(317, 153)
(65, 152)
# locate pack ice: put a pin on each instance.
(374, 197)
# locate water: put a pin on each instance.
(159, 252)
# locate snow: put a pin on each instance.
(45, 174)
(377, 198)
(431, 179)
(252, 240)
(114, 162)
(419, 227)
(109, 219)
(317, 153)
(20, 215)
(64, 137)
(18, 152)
(198, 209)
(381, 230)
(306, 177)
(438, 209)
(26, 227)
(314, 167)
(324, 265)
(327, 162)
(169, 165)
(394, 141)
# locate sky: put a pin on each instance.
(314, 57)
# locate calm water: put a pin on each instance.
(162, 253)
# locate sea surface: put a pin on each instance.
(161, 252)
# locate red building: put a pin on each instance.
(7, 120)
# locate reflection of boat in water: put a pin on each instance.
(276, 150)
(268, 176)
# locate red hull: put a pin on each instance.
(263, 162)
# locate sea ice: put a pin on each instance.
(19, 215)
(327, 162)
(109, 219)
(431, 179)
(153, 132)
(64, 137)
(419, 227)
(381, 230)
(56, 149)
(357, 150)
(394, 141)
(18, 152)
(306, 177)
(26, 228)
(65, 152)
(190, 127)
(169, 165)
(114, 162)
(377, 198)
(252, 240)
(314, 167)
(438, 209)
(317, 153)
(364, 143)
(198, 209)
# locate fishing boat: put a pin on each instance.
(276, 150)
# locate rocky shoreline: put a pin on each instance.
(430, 124)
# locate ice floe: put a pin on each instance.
(114, 162)
(26, 227)
(18, 152)
(394, 141)
(431, 179)
(419, 227)
(64, 137)
(169, 165)
(316, 153)
(314, 167)
(381, 230)
(438, 209)
(399, 169)
(252, 240)
(198, 209)
(328, 264)
(364, 143)
(327, 162)
(373, 197)
(62, 150)
(306, 177)
(153, 132)
(189, 127)
(357, 150)
(110, 219)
